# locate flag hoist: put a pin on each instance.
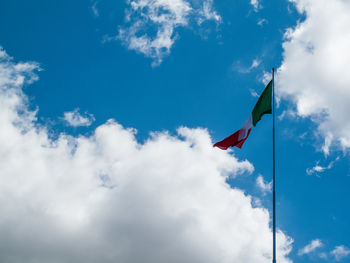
(265, 105)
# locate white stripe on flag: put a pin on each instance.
(248, 124)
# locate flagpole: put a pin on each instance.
(273, 171)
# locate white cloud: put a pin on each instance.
(206, 12)
(320, 169)
(163, 17)
(107, 198)
(340, 252)
(94, 9)
(255, 63)
(256, 5)
(261, 22)
(286, 114)
(314, 244)
(323, 255)
(266, 77)
(246, 69)
(76, 119)
(316, 169)
(263, 186)
(314, 73)
(254, 93)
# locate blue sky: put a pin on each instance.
(204, 74)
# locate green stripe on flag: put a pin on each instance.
(264, 104)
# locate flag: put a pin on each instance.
(263, 106)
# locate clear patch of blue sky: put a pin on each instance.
(197, 85)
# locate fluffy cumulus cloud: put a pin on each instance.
(340, 252)
(314, 73)
(76, 119)
(107, 198)
(151, 24)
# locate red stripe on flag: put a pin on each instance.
(232, 141)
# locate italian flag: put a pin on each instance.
(263, 106)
